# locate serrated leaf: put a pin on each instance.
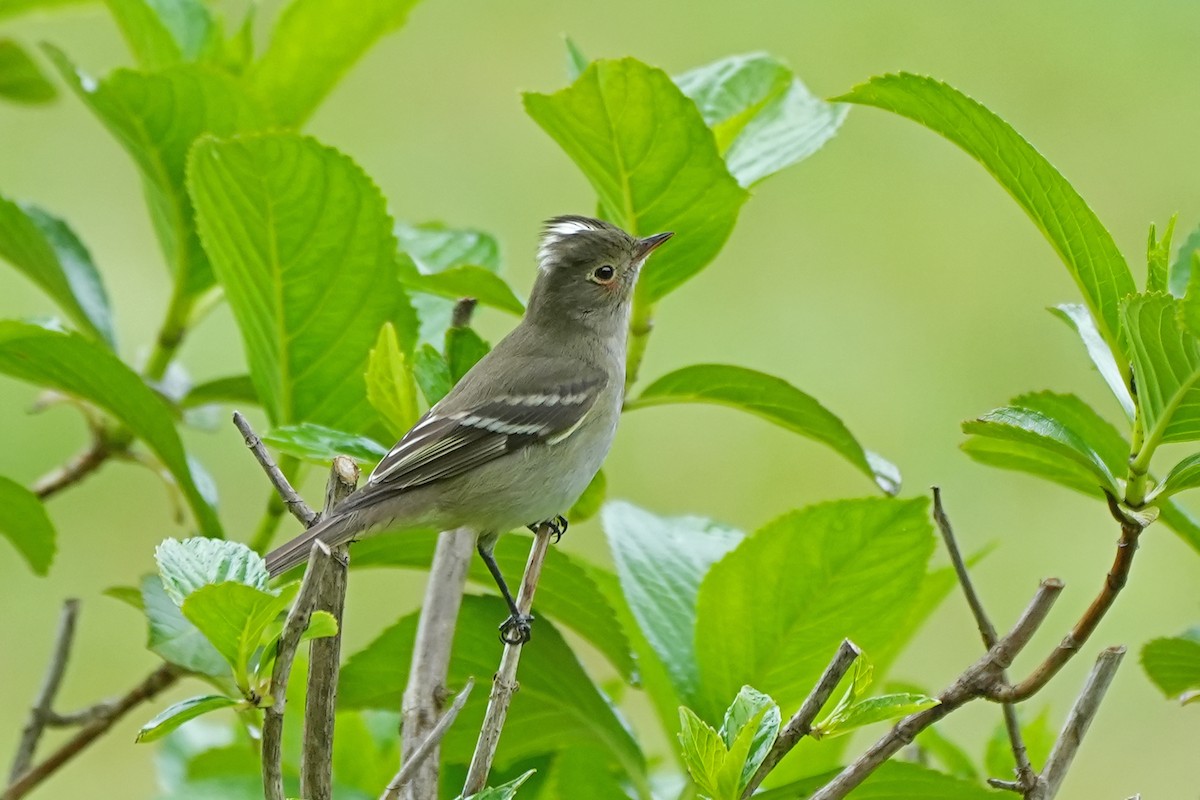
(567, 593)
(848, 569)
(763, 117)
(173, 637)
(506, 791)
(468, 280)
(47, 251)
(464, 349)
(589, 503)
(773, 399)
(161, 33)
(1158, 256)
(1038, 736)
(24, 522)
(84, 369)
(1181, 267)
(234, 618)
(391, 388)
(871, 710)
(171, 718)
(432, 374)
(321, 445)
(193, 563)
(228, 391)
(20, 79)
(1071, 227)
(320, 625)
(1173, 663)
(1047, 443)
(307, 55)
(703, 753)
(1166, 366)
(660, 562)
(651, 159)
(300, 238)
(1080, 319)
(156, 117)
(558, 705)
(751, 724)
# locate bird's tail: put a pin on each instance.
(333, 531)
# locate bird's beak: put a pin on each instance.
(648, 245)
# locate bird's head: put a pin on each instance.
(587, 269)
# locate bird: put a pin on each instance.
(521, 435)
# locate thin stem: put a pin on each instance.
(987, 631)
(800, 725)
(79, 467)
(641, 323)
(504, 683)
(427, 747)
(170, 334)
(41, 712)
(295, 504)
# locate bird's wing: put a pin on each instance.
(448, 443)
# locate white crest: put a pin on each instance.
(556, 231)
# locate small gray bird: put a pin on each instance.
(519, 438)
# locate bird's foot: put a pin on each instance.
(558, 526)
(516, 629)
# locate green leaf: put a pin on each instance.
(589, 503)
(464, 349)
(227, 391)
(300, 238)
(1180, 520)
(20, 79)
(577, 62)
(1158, 256)
(1173, 664)
(156, 117)
(78, 367)
(505, 791)
(171, 718)
(704, 754)
(1047, 444)
(320, 625)
(952, 757)
(307, 55)
(763, 117)
(432, 374)
(321, 445)
(23, 521)
(129, 595)
(1080, 319)
(1071, 227)
(391, 389)
(1184, 475)
(161, 33)
(774, 400)
(751, 724)
(895, 780)
(848, 569)
(558, 705)
(1181, 267)
(234, 618)
(1166, 366)
(567, 592)
(873, 709)
(1038, 736)
(575, 776)
(660, 562)
(466, 281)
(193, 563)
(47, 251)
(651, 159)
(174, 638)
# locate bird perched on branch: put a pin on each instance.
(519, 438)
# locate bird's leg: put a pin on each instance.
(516, 629)
(558, 526)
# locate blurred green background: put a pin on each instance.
(888, 276)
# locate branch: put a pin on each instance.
(324, 661)
(800, 725)
(426, 689)
(80, 466)
(289, 640)
(504, 683)
(971, 684)
(1078, 721)
(153, 683)
(41, 713)
(1026, 777)
(423, 751)
(1114, 582)
(295, 504)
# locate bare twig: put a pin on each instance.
(295, 504)
(1114, 581)
(1026, 776)
(289, 640)
(426, 689)
(423, 750)
(41, 713)
(80, 466)
(324, 662)
(1081, 716)
(800, 725)
(971, 684)
(504, 683)
(154, 683)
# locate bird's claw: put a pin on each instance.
(558, 526)
(516, 629)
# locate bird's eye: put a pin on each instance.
(604, 274)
